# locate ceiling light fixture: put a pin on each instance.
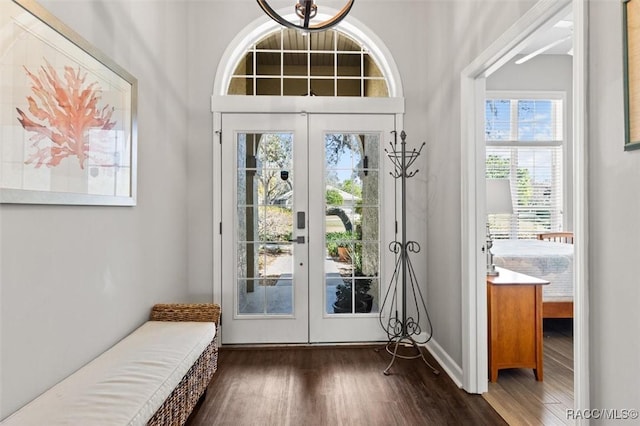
(306, 10)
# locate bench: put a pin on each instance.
(154, 376)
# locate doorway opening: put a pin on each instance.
(282, 174)
(475, 357)
(299, 200)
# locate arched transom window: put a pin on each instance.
(288, 63)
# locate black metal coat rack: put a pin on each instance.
(403, 329)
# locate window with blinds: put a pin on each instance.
(524, 143)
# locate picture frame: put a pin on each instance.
(631, 54)
(68, 117)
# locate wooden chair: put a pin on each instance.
(558, 237)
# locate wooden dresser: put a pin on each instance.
(515, 322)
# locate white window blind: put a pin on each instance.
(524, 143)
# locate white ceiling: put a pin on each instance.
(562, 30)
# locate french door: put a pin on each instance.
(307, 215)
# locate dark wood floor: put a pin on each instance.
(521, 400)
(333, 386)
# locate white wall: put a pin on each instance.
(74, 280)
(614, 233)
(60, 307)
(456, 33)
(545, 73)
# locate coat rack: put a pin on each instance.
(401, 328)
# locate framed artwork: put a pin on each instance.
(631, 42)
(67, 115)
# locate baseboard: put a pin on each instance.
(447, 363)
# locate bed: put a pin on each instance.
(551, 261)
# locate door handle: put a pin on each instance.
(299, 240)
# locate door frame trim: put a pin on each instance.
(473, 90)
(223, 103)
(306, 104)
(281, 104)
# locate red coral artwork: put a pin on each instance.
(62, 115)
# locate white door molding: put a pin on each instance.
(223, 103)
(473, 92)
(580, 212)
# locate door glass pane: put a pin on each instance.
(322, 87)
(241, 86)
(268, 63)
(295, 64)
(349, 87)
(268, 86)
(349, 64)
(264, 223)
(294, 87)
(352, 237)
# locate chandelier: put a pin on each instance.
(306, 10)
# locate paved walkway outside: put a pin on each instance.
(279, 296)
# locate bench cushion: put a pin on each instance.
(126, 384)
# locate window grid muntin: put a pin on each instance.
(370, 143)
(516, 225)
(336, 37)
(249, 145)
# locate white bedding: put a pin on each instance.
(542, 259)
(126, 384)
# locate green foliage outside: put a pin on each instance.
(352, 187)
(338, 239)
(498, 168)
(333, 197)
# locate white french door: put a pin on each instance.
(305, 227)
(347, 151)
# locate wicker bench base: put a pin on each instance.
(178, 406)
(155, 375)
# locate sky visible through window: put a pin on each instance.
(534, 120)
(344, 162)
(521, 121)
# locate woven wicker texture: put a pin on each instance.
(175, 410)
(200, 312)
